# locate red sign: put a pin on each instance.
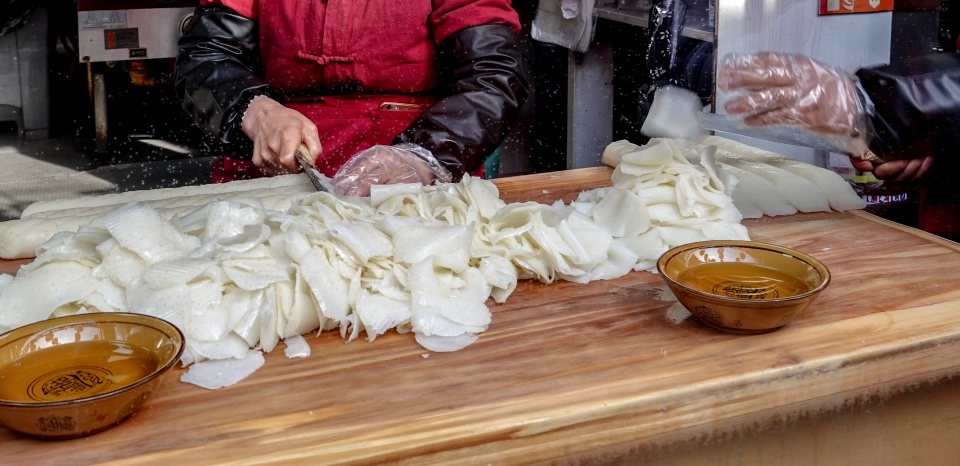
(838, 7)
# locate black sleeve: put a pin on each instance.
(916, 106)
(218, 72)
(486, 81)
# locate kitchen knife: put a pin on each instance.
(319, 180)
(782, 134)
(677, 112)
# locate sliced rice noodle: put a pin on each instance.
(219, 373)
(443, 344)
(296, 347)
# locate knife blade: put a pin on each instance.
(319, 180)
(782, 134)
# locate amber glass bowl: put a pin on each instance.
(78, 375)
(742, 286)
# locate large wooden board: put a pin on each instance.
(568, 370)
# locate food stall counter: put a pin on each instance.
(609, 371)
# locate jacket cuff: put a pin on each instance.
(233, 141)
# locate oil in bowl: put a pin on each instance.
(73, 376)
(742, 286)
(94, 367)
(743, 280)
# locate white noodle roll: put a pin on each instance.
(755, 192)
(20, 239)
(798, 191)
(118, 199)
(839, 193)
(271, 197)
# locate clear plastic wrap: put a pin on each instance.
(380, 164)
(773, 88)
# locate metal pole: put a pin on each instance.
(100, 111)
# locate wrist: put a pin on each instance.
(233, 139)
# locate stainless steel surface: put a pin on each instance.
(781, 134)
(62, 168)
(696, 26)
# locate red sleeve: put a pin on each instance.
(246, 8)
(450, 16)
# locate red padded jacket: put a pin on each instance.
(362, 71)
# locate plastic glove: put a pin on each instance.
(795, 90)
(402, 163)
(276, 132)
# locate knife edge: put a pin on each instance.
(319, 180)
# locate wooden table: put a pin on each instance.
(598, 373)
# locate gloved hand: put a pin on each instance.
(787, 89)
(276, 132)
(401, 163)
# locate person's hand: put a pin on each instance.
(896, 171)
(276, 132)
(795, 90)
(403, 163)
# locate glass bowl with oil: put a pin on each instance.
(742, 286)
(73, 376)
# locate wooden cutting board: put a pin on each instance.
(569, 370)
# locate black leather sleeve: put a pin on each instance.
(485, 82)
(916, 106)
(218, 72)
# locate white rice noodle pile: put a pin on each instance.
(239, 278)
